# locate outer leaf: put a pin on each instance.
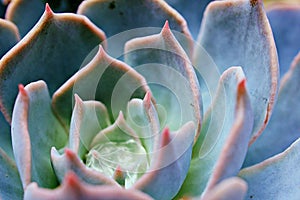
(167, 69)
(191, 11)
(25, 14)
(284, 126)
(88, 119)
(170, 164)
(9, 36)
(10, 185)
(5, 141)
(229, 189)
(286, 34)
(73, 189)
(128, 17)
(223, 142)
(275, 178)
(237, 32)
(69, 161)
(34, 131)
(104, 79)
(70, 38)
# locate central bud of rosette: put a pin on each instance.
(121, 150)
(125, 161)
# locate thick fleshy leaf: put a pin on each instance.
(2, 9)
(104, 79)
(34, 131)
(283, 128)
(229, 189)
(10, 185)
(286, 34)
(170, 75)
(275, 178)
(69, 161)
(191, 11)
(129, 22)
(5, 137)
(237, 33)
(170, 163)
(9, 36)
(88, 119)
(52, 51)
(25, 13)
(143, 118)
(73, 189)
(221, 148)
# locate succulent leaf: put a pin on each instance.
(143, 118)
(223, 142)
(191, 11)
(9, 36)
(5, 141)
(88, 119)
(237, 32)
(275, 178)
(73, 188)
(69, 161)
(229, 189)
(39, 54)
(283, 128)
(10, 185)
(25, 14)
(286, 34)
(34, 131)
(170, 163)
(104, 79)
(170, 75)
(128, 16)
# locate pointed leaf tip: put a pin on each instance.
(147, 100)
(165, 137)
(166, 26)
(22, 90)
(48, 10)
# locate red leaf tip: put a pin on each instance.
(166, 26)
(48, 9)
(71, 179)
(165, 137)
(147, 100)
(22, 90)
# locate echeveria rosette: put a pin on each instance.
(227, 125)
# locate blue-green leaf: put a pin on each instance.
(34, 131)
(283, 128)
(237, 33)
(104, 79)
(88, 119)
(275, 178)
(10, 185)
(286, 34)
(53, 51)
(73, 188)
(170, 75)
(170, 163)
(9, 36)
(229, 189)
(129, 22)
(221, 148)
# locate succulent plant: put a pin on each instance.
(108, 103)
